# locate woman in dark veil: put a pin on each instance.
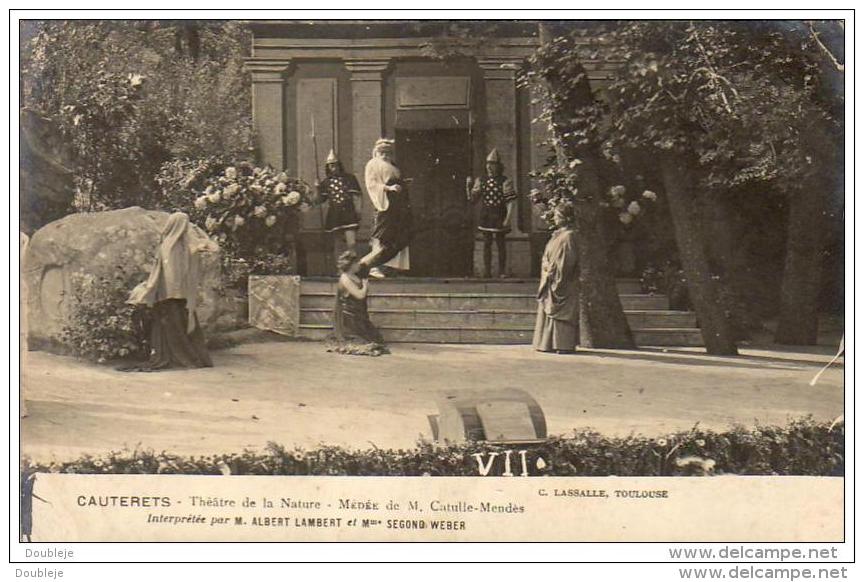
(171, 290)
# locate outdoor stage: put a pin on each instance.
(469, 311)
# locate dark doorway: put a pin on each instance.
(437, 160)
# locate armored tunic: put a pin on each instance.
(494, 194)
(340, 191)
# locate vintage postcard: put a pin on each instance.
(424, 280)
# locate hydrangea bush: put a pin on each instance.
(617, 199)
(803, 447)
(252, 212)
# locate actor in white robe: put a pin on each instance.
(392, 231)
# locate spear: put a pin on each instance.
(469, 181)
(315, 149)
(317, 170)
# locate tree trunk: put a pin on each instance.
(602, 323)
(806, 229)
(799, 296)
(725, 258)
(679, 186)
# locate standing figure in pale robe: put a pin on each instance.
(171, 291)
(391, 232)
(557, 328)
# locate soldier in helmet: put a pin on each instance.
(496, 196)
(342, 192)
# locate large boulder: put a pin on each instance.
(96, 244)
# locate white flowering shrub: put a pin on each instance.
(252, 212)
(561, 188)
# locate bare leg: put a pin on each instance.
(337, 245)
(487, 255)
(501, 241)
(351, 238)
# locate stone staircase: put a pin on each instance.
(479, 311)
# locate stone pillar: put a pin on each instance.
(501, 116)
(499, 75)
(367, 113)
(268, 108)
(540, 133)
(314, 98)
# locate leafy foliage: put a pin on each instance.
(743, 106)
(100, 325)
(622, 206)
(742, 98)
(252, 212)
(669, 280)
(574, 116)
(127, 98)
(180, 179)
(803, 447)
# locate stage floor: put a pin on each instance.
(296, 393)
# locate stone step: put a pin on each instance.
(408, 318)
(629, 286)
(491, 319)
(469, 301)
(660, 318)
(668, 337)
(424, 285)
(436, 336)
(642, 337)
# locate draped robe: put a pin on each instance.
(557, 325)
(380, 173)
(171, 290)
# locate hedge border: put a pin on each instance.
(802, 447)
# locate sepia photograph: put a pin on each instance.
(423, 263)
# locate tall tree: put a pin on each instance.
(667, 100)
(729, 103)
(720, 104)
(815, 68)
(681, 187)
(573, 114)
